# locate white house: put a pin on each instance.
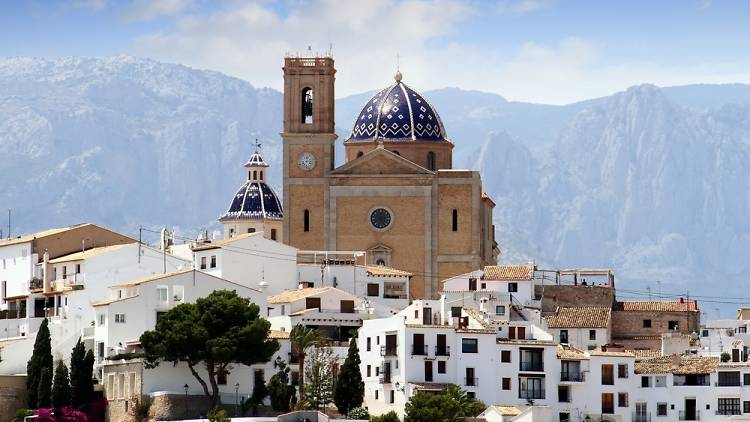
(584, 327)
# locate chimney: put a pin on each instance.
(46, 282)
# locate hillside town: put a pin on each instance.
(379, 276)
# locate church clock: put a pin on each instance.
(306, 161)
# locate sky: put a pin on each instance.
(542, 51)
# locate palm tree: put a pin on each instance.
(301, 338)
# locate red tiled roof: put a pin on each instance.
(579, 317)
(659, 306)
(508, 272)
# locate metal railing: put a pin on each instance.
(36, 284)
(531, 366)
(442, 350)
(729, 412)
(388, 351)
(571, 376)
(641, 417)
(419, 350)
(531, 394)
(385, 378)
(690, 416)
(471, 381)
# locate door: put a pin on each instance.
(390, 345)
(441, 349)
(427, 316)
(690, 412)
(417, 344)
(521, 333)
(428, 371)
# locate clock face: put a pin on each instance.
(306, 161)
(380, 218)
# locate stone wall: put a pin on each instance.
(629, 324)
(172, 406)
(575, 295)
(12, 396)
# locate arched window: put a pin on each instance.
(273, 234)
(261, 175)
(380, 262)
(455, 220)
(249, 175)
(306, 222)
(430, 160)
(359, 154)
(255, 174)
(307, 105)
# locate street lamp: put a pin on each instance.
(236, 398)
(186, 399)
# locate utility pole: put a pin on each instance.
(648, 288)
(658, 283)
(9, 223)
(140, 239)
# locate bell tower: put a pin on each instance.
(308, 140)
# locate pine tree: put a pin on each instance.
(61, 386)
(80, 375)
(44, 389)
(41, 358)
(279, 390)
(350, 390)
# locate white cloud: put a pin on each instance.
(94, 5)
(249, 40)
(524, 6)
(143, 10)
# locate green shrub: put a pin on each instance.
(218, 414)
(386, 417)
(359, 413)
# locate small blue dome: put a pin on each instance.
(398, 113)
(254, 201)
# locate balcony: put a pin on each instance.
(534, 366)
(690, 416)
(641, 417)
(442, 350)
(531, 394)
(36, 284)
(385, 378)
(471, 381)
(728, 412)
(570, 376)
(419, 350)
(388, 351)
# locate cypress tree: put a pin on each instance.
(41, 358)
(78, 394)
(88, 376)
(350, 390)
(61, 386)
(44, 389)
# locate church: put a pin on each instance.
(397, 196)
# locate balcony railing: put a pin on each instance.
(532, 366)
(471, 381)
(388, 351)
(641, 417)
(531, 394)
(36, 284)
(690, 416)
(385, 377)
(442, 350)
(728, 412)
(419, 350)
(571, 376)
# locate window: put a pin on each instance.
(746, 407)
(78, 268)
(622, 399)
(512, 287)
(377, 371)
(592, 334)
(456, 312)
(484, 286)
(505, 356)
(159, 315)
(120, 318)
(162, 293)
(454, 221)
(646, 323)
(608, 375)
(746, 379)
(531, 360)
(133, 392)
(645, 382)
(102, 319)
(306, 221)
(564, 417)
(393, 396)
(359, 154)
(472, 283)
(729, 379)
(471, 380)
(622, 370)
(469, 345)
(729, 406)
(259, 377)
(251, 230)
(65, 272)
(376, 394)
(563, 336)
(369, 370)
(430, 160)
(100, 349)
(661, 409)
(369, 343)
(307, 106)
(213, 261)
(506, 383)
(471, 395)
(441, 367)
(373, 289)
(672, 325)
(608, 403)
(563, 394)
(273, 234)
(203, 263)
(704, 333)
(531, 388)
(178, 293)
(500, 310)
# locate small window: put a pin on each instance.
(373, 289)
(645, 382)
(622, 370)
(455, 312)
(484, 286)
(469, 345)
(472, 283)
(505, 356)
(251, 230)
(377, 371)
(273, 234)
(213, 261)
(646, 323)
(203, 263)
(393, 397)
(563, 394)
(746, 379)
(307, 105)
(512, 287)
(162, 293)
(306, 221)
(376, 394)
(78, 268)
(471, 395)
(359, 154)
(454, 220)
(369, 343)
(563, 336)
(431, 161)
(102, 319)
(441, 367)
(673, 325)
(564, 417)
(622, 399)
(746, 407)
(500, 310)
(592, 334)
(704, 333)
(661, 409)
(120, 318)
(369, 370)
(506, 383)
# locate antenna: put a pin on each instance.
(9, 223)
(398, 62)
(257, 145)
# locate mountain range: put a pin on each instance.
(652, 182)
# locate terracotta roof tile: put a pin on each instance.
(570, 352)
(658, 306)
(78, 256)
(508, 272)
(679, 365)
(379, 270)
(278, 335)
(579, 317)
(641, 354)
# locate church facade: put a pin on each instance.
(397, 196)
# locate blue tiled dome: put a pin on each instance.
(255, 200)
(398, 113)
